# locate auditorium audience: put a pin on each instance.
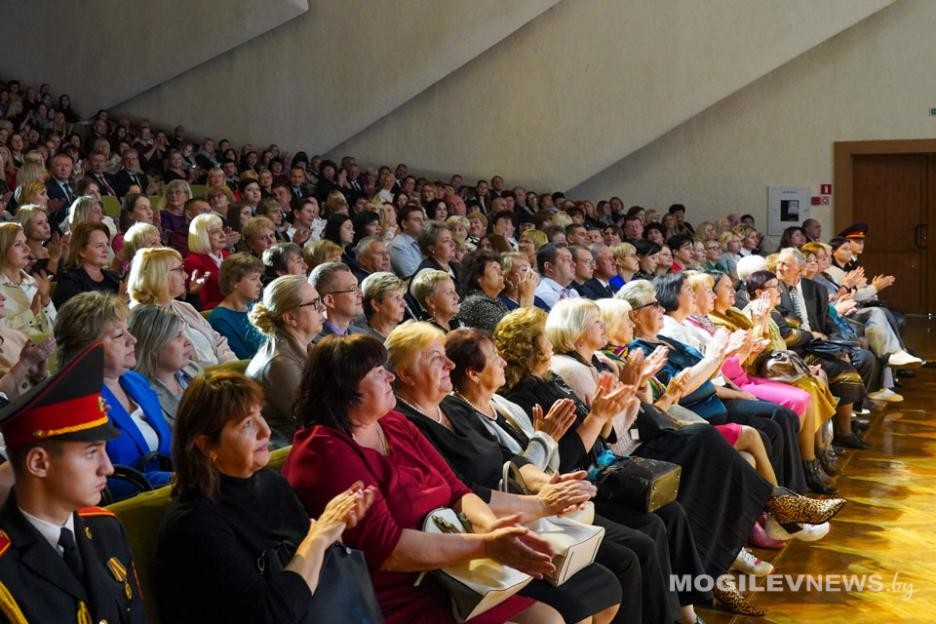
(786, 376)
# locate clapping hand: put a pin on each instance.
(676, 388)
(344, 511)
(880, 282)
(557, 421)
(566, 492)
(196, 282)
(518, 547)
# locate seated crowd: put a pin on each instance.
(415, 342)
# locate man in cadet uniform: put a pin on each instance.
(61, 558)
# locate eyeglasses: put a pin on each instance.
(315, 303)
(655, 304)
(180, 269)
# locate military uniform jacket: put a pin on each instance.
(37, 586)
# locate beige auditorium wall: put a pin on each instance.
(326, 75)
(590, 81)
(873, 81)
(102, 52)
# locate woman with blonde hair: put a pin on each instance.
(435, 292)
(627, 264)
(388, 220)
(319, 252)
(45, 247)
(290, 315)
(32, 192)
(206, 243)
(132, 406)
(336, 203)
(383, 303)
(139, 236)
(157, 275)
(29, 306)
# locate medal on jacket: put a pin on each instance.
(120, 575)
(83, 616)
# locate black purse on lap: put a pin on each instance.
(344, 592)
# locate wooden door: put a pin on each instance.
(891, 193)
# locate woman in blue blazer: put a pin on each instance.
(132, 405)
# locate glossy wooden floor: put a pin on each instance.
(888, 527)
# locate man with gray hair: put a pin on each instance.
(806, 326)
(371, 256)
(341, 296)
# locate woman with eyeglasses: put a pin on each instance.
(289, 315)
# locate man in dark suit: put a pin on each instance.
(130, 174)
(584, 280)
(61, 558)
(97, 165)
(599, 286)
(806, 321)
(59, 187)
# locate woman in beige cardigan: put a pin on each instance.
(289, 315)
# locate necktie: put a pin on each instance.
(800, 309)
(103, 182)
(70, 553)
(66, 186)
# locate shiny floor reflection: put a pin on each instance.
(885, 534)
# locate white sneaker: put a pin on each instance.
(886, 394)
(749, 564)
(808, 532)
(902, 359)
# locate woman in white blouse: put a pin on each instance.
(29, 306)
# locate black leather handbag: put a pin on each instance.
(646, 484)
(344, 593)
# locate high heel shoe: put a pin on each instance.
(814, 479)
(792, 508)
(732, 599)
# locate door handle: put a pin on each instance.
(919, 236)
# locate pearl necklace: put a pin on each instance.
(476, 407)
(437, 417)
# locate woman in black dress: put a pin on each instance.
(230, 510)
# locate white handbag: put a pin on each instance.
(474, 586)
(571, 535)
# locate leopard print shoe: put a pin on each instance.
(793, 508)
